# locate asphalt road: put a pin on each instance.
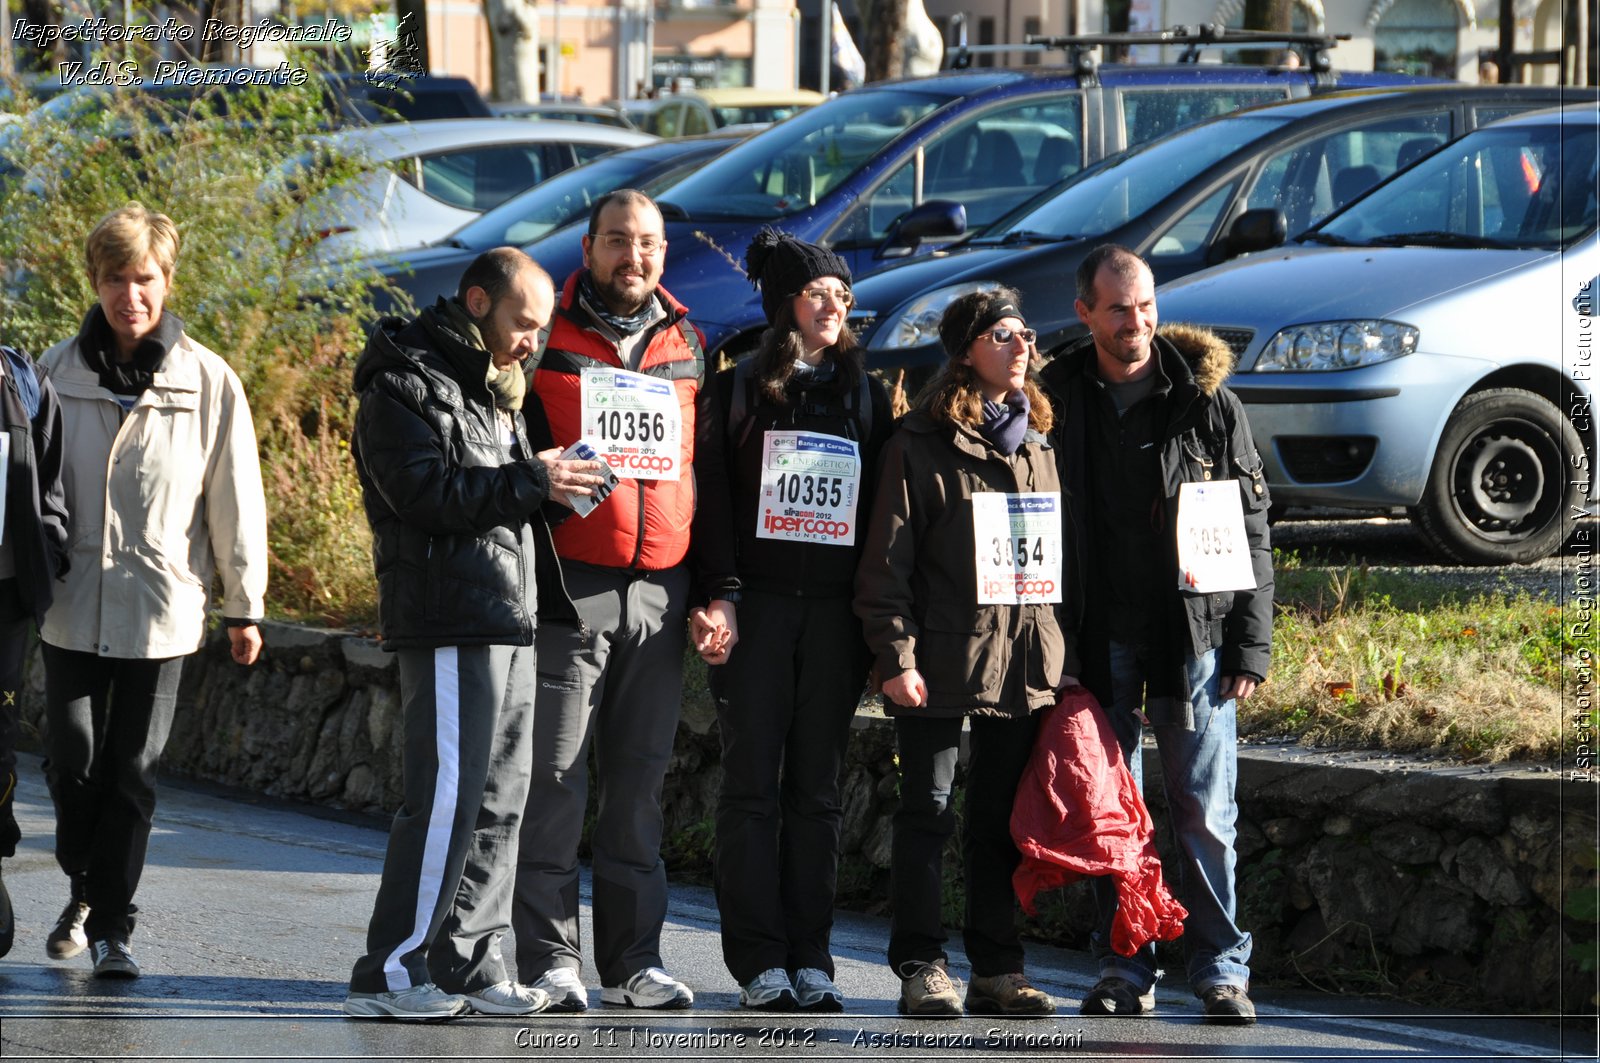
(252, 913)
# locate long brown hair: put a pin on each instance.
(782, 346)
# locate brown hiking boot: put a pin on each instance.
(1228, 1005)
(1118, 996)
(1007, 994)
(927, 990)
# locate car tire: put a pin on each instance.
(1500, 490)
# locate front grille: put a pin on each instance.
(1325, 459)
(1237, 339)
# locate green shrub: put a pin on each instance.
(244, 287)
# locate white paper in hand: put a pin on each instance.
(583, 450)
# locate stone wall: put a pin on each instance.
(1356, 873)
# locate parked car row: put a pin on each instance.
(897, 167)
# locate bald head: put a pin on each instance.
(511, 299)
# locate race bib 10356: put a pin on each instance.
(634, 421)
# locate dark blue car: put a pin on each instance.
(881, 169)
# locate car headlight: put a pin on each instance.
(1336, 345)
(918, 324)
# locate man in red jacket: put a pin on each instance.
(620, 371)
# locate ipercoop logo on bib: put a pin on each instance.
(833, 529)
(643, 462)
(1022, 586)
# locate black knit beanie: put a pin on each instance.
(781, 265)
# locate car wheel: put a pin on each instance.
(1500, 491)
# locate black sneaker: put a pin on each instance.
(8, 920)
(1228, 1005)
(1118, 996)
(113, 958)
(68, 938)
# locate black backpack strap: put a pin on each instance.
(740, 419)
(692, 338)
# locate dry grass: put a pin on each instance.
(1397, 662)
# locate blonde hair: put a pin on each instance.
(126, 237)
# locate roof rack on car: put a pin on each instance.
(1193, 37)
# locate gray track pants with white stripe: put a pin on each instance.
(445, 899)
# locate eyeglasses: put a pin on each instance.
(1003, 335)
(647, 245)
(820, 296)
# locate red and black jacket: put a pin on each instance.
(644, 524)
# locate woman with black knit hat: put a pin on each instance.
(958, 592)
(786, 445)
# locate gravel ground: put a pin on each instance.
(1388, 542)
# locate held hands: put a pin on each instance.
(715, 631)
(246, 643)
(907, 689)
(569, 477)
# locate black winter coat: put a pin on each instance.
(36, 501)
(1206, 438)
(727, 553)
(446, 500)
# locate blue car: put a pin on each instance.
(879, 171)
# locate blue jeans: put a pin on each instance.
(1199, 769)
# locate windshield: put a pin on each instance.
(1524, 186)
(1107, 195)
(789, 168)
(551, 204)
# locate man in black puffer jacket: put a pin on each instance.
(449, 446)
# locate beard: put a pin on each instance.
(619, 299)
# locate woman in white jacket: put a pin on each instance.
(164, 491)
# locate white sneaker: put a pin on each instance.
(508, 998)
(650, 988)
(565, 989)
(420, 1003)
(815, 991)
(770, 990)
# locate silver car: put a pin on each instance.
(424, 180)
(1431, 345)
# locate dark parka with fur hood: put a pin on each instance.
(1206, 438)
(446, 502)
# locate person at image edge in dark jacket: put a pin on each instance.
(1138, 416)
(959, 607)
(786, 447)
(455, 471)
(33, 554)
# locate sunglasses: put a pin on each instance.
(1003, 335)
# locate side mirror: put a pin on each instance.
(935, 218)
(1257, 230)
